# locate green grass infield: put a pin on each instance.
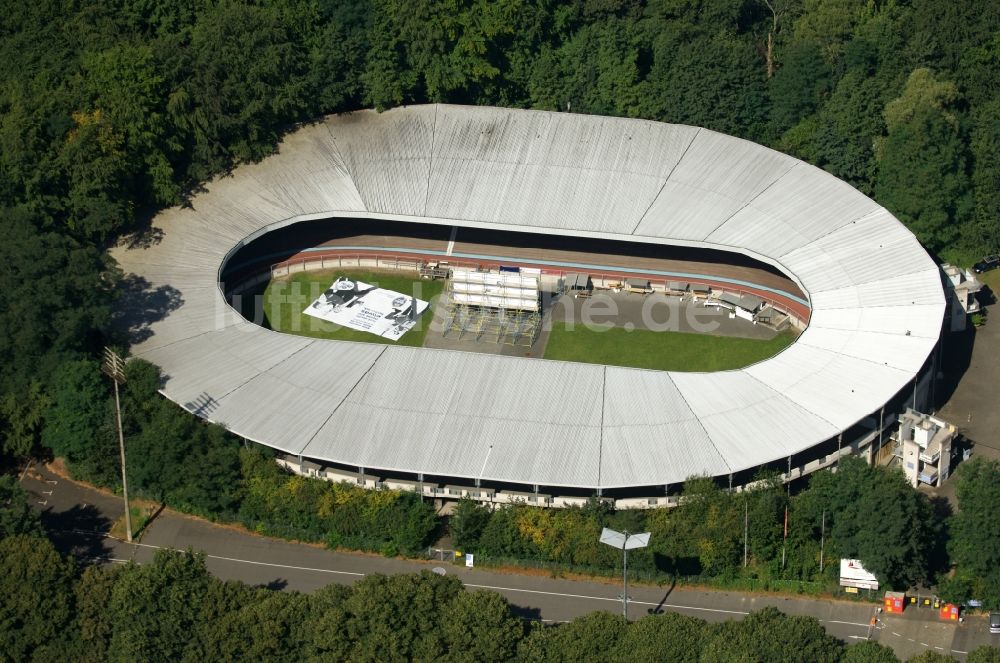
(285, 299)
(660, 350)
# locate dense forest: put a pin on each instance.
(110, 111)
(172, 609)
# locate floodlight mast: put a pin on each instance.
(624, 542)
(114, 367)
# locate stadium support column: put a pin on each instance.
(881, 429)
(840, 443)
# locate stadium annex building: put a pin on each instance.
(527, 424)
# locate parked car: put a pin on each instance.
(995, 622)
(986, 264)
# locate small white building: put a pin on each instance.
(923, 445)
(960, 287)
(743, 306)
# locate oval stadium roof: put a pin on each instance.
(877, 301)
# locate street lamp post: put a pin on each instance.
(114, 367)
(624, 541)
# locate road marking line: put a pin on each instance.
(493, 587)
(250, 561)
(496, 588)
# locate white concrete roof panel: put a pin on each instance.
(876, 296)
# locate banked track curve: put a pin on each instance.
(876, 298)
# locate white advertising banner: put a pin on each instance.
(853, 574)
(365, 307)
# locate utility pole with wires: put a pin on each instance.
(822, 540)
(114, 367)
(746, 531)
(784, 540)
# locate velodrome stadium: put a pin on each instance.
(866, 295)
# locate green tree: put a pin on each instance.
(323, 631)
(124, 84)
(77, 285)
(930, 656)
(974, 531)
(984, 654)
(77, 413)
(157, 606)
(668, 637)
(392, 618)
(93, 623)
(847, 126)
(467, 523)
(923, 161)
(435, 51)
(591, 637)
(16, 515)
(702, 536)
(264, 625)
(869, 652)
(37, 595)
(478, 626)
(799, 86)
(769, 635)
(865, 508)
(984, 235)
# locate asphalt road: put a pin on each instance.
(80, 517)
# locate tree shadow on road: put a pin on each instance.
(275, 585)
(80, 531)
(526, 613)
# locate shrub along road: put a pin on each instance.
(79, 517)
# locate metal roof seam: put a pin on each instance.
(795, 403)
(666, 179)
(430, 160)
(346, 164)
(265, 372)
(749, 202)
(708, 435)
(344, 399)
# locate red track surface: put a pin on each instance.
(797, 309)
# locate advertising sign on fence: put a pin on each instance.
(368, 308)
